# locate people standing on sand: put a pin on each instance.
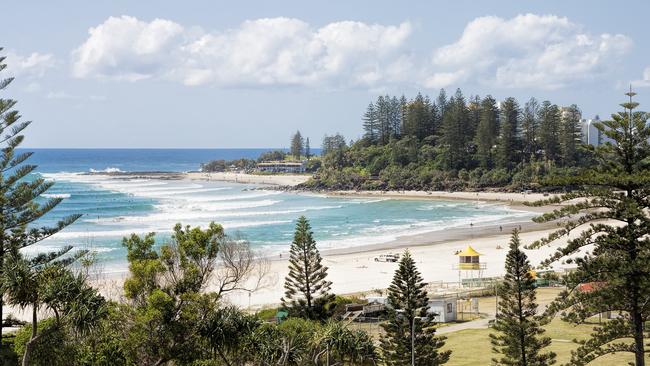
(500, 228)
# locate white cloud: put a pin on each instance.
(645, 79)
(127, 48)
(272, 51)
(525, 51)
(33, 87)
(34, 65)
(66, 96)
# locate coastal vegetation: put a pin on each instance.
(409, 337)
(42, 281)
(610, 211)
(172, 308)
(455, 143)
(518, 338)
(307, 292)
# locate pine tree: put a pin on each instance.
(529, 130)
(570, 135)
(21, 201)
(454, 126)
(518, 338)
(474, 107)
(307, 291)
(436, 120)
(418, 118)
(442, 103)
(297, 145)
(549, 130)
(384, 123)
(403, 111)
(371, 125)
(508, 142)
(307, 149)
(487, 131)
(407, 318)
(395, 118)
(615, 268)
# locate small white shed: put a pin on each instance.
(444, 309)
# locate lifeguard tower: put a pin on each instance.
(469, 267)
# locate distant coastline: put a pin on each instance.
(291, 181)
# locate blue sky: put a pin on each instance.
(249, 73)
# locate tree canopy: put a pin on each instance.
(609, 210)
(307, 290)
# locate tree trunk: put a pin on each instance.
(223, 357)
(29, 344)
(639, 352)
(1, 321)
(2, 254)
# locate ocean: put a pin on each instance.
(114, 207)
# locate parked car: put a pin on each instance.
(387, 258)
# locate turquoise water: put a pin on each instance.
(113, 207)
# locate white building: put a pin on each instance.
(282, 166)
(443, 310)
(590, 134)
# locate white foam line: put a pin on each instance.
(106, 234)
(230, 198)
(158, 230)
(230, 206)
(55, 195)
(171, 192)
(174, 215)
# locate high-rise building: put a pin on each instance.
(590, 134)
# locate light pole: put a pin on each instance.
(412, 326)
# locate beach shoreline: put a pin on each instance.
(293, 180)
(284, 180)
(353, 269)
(290, 181)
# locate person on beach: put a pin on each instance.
(500, 228)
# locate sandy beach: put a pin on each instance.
(358, 272)
(505, 197)
(278, 179)
(292, 180)
(354, 270)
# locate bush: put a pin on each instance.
(54, 347)
(267, 314)
(8, 356)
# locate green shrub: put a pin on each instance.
(53, 348)
(8, 356)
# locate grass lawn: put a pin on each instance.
(472, 346)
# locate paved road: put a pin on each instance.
(473, 324)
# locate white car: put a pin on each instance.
(387, 258)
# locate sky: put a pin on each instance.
(228, 74)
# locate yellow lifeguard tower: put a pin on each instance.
(470, 265)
